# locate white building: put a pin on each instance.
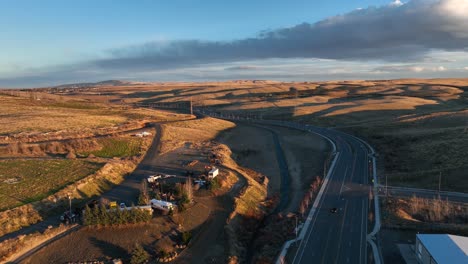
(213, 173)
(441, 249)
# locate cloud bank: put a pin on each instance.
(396, 32)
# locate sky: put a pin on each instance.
(46, 43)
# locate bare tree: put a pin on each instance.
(302, 208)
(188, 188)
(143, 199)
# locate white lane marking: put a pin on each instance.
(341, 231)
(367, 213)
(344, 179)
(362, 233)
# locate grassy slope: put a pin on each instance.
(25, 114)
(117, 147)
(36, 179)
(418, 126)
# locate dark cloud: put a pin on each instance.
(394, 32)
(241, 68)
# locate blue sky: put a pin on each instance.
(53, 42)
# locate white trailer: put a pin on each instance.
(143, 134)
(162, 205)
(154, 178)
(213, 173)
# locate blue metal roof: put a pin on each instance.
(446, 248)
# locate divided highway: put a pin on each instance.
(340, 237)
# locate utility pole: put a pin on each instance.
(191, 106)
(69, 200)
(440, 178)
(325, 168)
(386, 186)
(296, 227)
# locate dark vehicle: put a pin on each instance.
(68, 218)
(334, 210)
(92, 204)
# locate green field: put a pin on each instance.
(25, 181)
(117, 147)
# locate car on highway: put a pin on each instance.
(334, 210)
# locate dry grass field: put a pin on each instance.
(429, 215)
(23, 114)
(418, 126)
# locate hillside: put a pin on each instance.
(418, 126)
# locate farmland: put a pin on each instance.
(25, 181)
(116, 147)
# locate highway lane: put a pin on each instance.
(341, 237)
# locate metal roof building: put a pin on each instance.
(441, 249)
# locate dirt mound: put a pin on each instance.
(51, 147)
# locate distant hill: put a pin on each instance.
(96, 84)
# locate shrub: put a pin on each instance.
(186, 236)
(139, 255)
(214, 184)
(104, 217)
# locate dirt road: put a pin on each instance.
(128, 191)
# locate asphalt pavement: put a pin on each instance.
(340, 237)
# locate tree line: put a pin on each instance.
(100, 216)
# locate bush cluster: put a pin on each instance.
(214, 184)
(139, 255)
(103, 217)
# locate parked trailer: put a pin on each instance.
(143, 134)
(162, 205)
(213, 173)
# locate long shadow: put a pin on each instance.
(109, 249)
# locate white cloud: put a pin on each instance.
(396, 3)
(453, 7)
(416, 69)
(439, 69)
